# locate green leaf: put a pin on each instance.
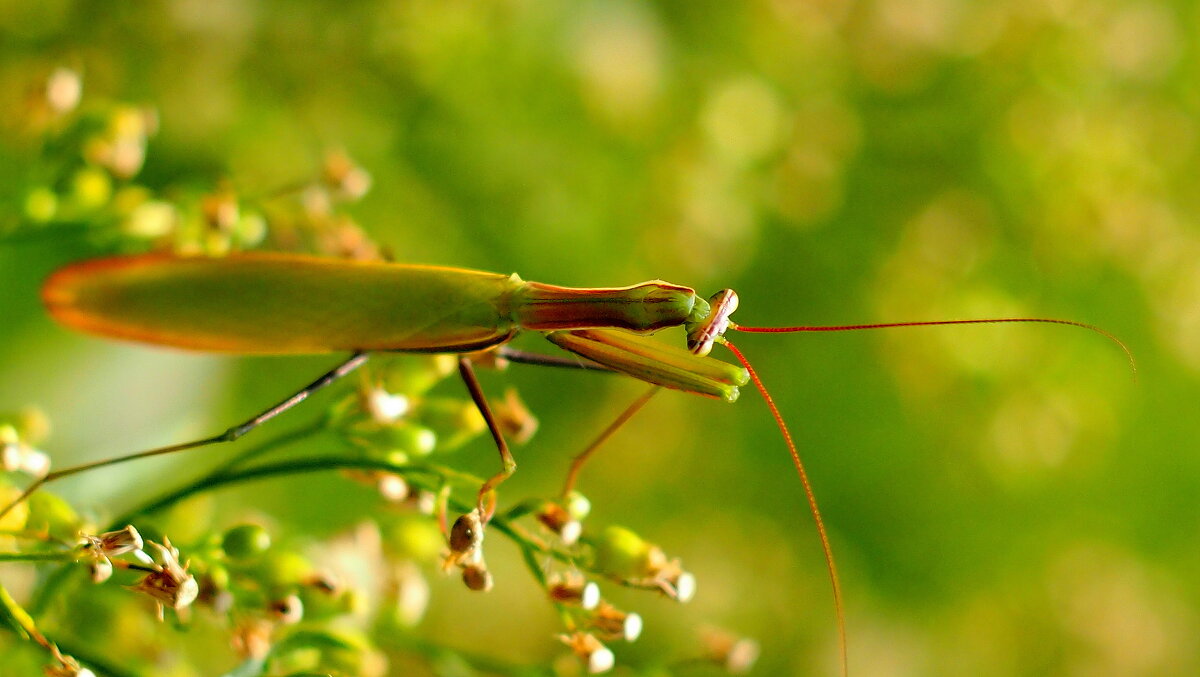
(316, 639)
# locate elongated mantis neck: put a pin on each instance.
(645, 307)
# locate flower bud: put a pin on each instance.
(558, 520)
(64, 88)
(16, 454)
(616, 624)
(514, 418)
(682, 586)
(622, 553)
(221, 210)
(67, 667)
(392, 487)
(36, 463)
(170, 585)
(344, 176)
(252, 638)
(595, 656)
(575, 590)
(114, 543)
(289, 610)
(385, 407)
(100, 569)
(736, 655)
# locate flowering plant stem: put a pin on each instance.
(65, 556)
(411, 472)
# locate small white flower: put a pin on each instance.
(171, 585)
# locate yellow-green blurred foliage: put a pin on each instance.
(1002, 500)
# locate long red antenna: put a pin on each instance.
(812, 502)
(932, 323)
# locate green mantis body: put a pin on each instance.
(280, 304)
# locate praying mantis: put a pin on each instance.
(260, 303)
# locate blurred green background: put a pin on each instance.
(1002, 500)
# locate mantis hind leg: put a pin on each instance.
(582, 457)
(229, 435)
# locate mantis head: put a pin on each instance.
(710, 320)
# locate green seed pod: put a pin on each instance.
(415, 537)
(30, 425)
(41, 204)
(281, 569)
(417, 440)
(218, 577)
(17, 516)
(353, 601)
(91, 188)
(622, 553)
(414, 440)
(251, 229)
(414, 375)
(151, 219)
(245, 542)
(129, 198)
(577, 505)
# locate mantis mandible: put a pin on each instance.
(292, 304)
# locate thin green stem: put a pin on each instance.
(249, 454)
(269, 445)
(36, 556)
(320, 463)
(27, 535)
